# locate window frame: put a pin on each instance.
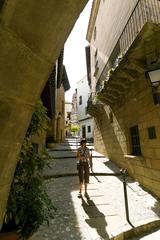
(135, 141)
(80, 100)
(152, 132)
(89, 128)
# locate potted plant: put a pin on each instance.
(28, 203)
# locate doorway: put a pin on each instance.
(83, 131)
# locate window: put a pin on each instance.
(96, 68)
(89, 129)
(156, 94)
(151, 132)
(135, 141)
(115, 56)
(69, 115)
(95, 33)
(1, 4)
(80, 100)
(95, 55)
(111, 117)
(86, 110)
(96, 62)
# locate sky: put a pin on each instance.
(74, 52)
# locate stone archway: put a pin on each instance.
(32, 33)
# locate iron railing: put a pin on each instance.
(144, 11)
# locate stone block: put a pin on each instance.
(147, 182)
(155, 164)
(14, 113)
(155, 175)
(156, 189)
(4, 191)
(149, 153)
(139, 170)
(28, 79)
(148, 162)
(51, 26)
(148, 173)
(9, 154)
(157, 154)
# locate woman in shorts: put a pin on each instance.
(84, 158)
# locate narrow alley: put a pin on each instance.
(103, 215)
(76, 74)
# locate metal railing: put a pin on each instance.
(122, 174)
(144, 11)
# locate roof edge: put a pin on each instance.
(92, 19)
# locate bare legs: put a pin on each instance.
(83, 178)
(81, 187)
(85, 189)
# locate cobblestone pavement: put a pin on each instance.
(103, 215)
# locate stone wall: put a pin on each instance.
(61, 116)
(99, 142)
(135, 108)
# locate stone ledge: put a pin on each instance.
(141, 228)
(134, 157)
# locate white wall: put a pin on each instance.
(84, 119)
(83, 90)
(86, 123)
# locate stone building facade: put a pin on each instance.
(53, 97)
(74, 114)
(68, 109)
(125, 80)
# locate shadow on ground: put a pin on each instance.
(96, 219)
(110, 164)
(156, 208)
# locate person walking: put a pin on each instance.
(84, 162)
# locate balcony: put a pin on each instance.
(137, 51)
(94, 107)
